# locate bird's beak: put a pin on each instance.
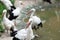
(29, 12)
(28, 23)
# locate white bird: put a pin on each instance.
(16, 12)
(26, 33)
(36, 21)
(7, 23)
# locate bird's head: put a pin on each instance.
(21, 2)
(4, 12)
(33, 9)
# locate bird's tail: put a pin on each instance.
(13, 32)
(40, 25)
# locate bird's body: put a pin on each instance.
(7, 23)
(16, 11)
(35, 19)
(7, 3)
(22, 34)
(26, 33)
(36, 22)
(14, 14)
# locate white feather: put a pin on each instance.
(36, 20)
(25, 33)
(8, 24)
(7, 3)
(17, 11)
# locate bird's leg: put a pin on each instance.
(35, 33)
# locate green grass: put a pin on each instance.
(1, 9)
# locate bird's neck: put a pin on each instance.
(29, 28)
(32, 14)
(29, 33)
(5, 15)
